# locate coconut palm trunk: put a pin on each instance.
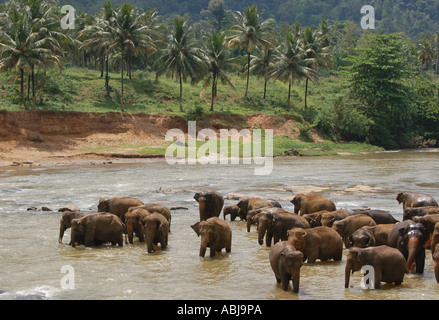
(22, 89)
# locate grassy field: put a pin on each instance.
(80, 89)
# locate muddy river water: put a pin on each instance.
(34, 265)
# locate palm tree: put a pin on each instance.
(181, 56)
(215, 50)
(291, 64)
(250, 33)
(316, 51)
(425, 53)
(261, 64)
(22, 46)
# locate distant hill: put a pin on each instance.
(409, 16)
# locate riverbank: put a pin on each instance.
(35, 137)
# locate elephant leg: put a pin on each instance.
(420, 261)
(229, 246)
(312, 257)
(378, 278)
(268, 237)
(285, 280)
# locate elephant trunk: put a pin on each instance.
(129, 227)
(412, 248)
(204, 245)
(261, 233)
(347, 274)
(150, 241)
(61, 233)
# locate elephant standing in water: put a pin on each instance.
(156, 229)
(118, 205)
(215, 234)
(305, 204)
(95, 229)
(66, 221)
(210, 204)
(286, 262)
(410, 239)
(388, 264)
(411, 199)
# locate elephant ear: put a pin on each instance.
(243, 203)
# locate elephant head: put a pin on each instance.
(151, 225)
(232, 210)
(208, 232)
(297, 237)
(103, 205)
(298, 201)
(77, 232)
(354, 262)
(243, 208)
(65, 223)
(265, 222)
(292, 261)
(133, 223)
(412, 240)
(361, 238)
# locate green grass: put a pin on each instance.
(80, 89)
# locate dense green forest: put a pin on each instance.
(412, 17)
(379, 86)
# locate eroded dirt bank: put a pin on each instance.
(38, 136)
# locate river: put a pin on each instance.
(32, 262)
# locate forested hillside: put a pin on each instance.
(409, 16)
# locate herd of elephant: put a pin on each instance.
(315, 230)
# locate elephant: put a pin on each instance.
(428, 221)
(94, 229)
(233, 210)
(210, 204)
(304, 204)
(155, 229)
(314, 219)
(410, 199)
(66, 220)
(371, 236)
(388, 264)
(118, 205)
(155, 207)
(379, 216)
(411, 212)
(328, 218)
(215, 234)
(350, 224)
(322, 243)
(434, 238)
(410, 239)
(436, 262)
(276, 225)
(253, 215)
(248, 204)
(133, 219)
(286, 262)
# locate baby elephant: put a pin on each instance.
(215, 234)
(322, 243)
(388, 264)
(156, 229)
(286, 262)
